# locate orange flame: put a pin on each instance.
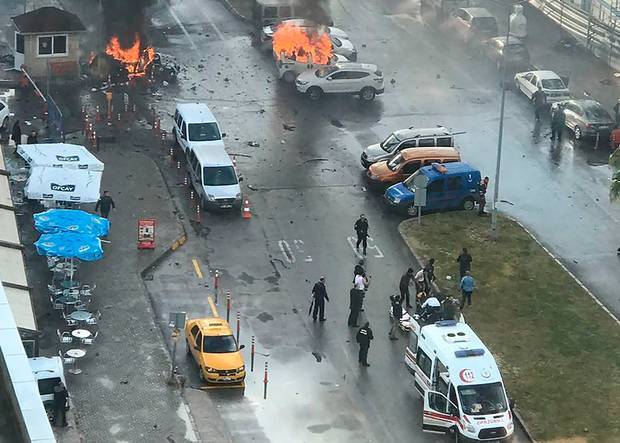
(134, 59)
(302, 44)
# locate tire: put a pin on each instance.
(468, 204)
(368, 94)
(577, 132)
(289, 77)
(315, 93)
(412, 211)
(5, 124)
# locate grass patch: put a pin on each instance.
(557, 349)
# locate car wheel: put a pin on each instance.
(468, 204)
(367, 94)
(289, 77)
(315, 93)
(412, 211)
(577, 132)
(5, 124)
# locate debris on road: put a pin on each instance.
(254, 144)
(288, 127)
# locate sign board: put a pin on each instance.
(146, 233)
(420, 181)
(177, 320)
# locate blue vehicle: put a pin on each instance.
(450, 186)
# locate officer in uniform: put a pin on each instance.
(357, 298)
(364, 336)
(320, 295)
(361, 228)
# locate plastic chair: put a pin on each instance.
(90, 340)
(65, 337)
(57, 292)
(66, 360)
(70, 321)
(94, 319)
(55, 305)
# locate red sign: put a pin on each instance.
(467, 375)
(146, 233)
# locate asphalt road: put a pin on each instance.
(306, 188)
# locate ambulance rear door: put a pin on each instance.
(440, 414)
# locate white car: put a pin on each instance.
(361, 79)
(266, 34)
(552, 85)
(344, 47)
(4, 116)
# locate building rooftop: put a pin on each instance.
(48, 20)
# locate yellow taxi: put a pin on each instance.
(211, 342)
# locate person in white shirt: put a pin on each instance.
(430, 306)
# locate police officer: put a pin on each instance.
(60, 404)
(482, 195)
(557, 122)
(397, 313)
(540, 101)
(363, 337)
(319, 292)
(355, 305)
(361, 228)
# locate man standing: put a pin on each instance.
(540, 101)
(557, 122)
(429, 274)
(361, 228)
(32, 138)
(320, 295)
(403, 286)
(397, 313)
(355, 305)
(105, 204)
(482, 195)
(464, 260)
(16, 134)
(60, 404)
(363, 337)
(467, 288)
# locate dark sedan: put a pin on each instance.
(587, 118)
(514, 54)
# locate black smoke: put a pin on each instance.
(315, 10)
(125, 18)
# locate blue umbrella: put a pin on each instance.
(71, 220)
(70, 245)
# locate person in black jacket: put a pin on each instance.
(105, 204)
(363, 337)
(16, 134)
(355, 305)
(361, 228)
(60, 404)
(319, 292)
(405, 281)
(397, 313)
(32, 138)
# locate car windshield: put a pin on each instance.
(483, 399)
(596, 113)
(204, 132)
(324, 72)
(390, 143)
(219, 176)
(393, 164)
(219, 344)
(553, 83)
(336, 42)
(485, 23)
(409, 181)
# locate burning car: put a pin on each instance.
(267, 32)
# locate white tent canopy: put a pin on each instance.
(62, 184)
(59, 155)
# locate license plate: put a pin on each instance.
(603, 127)
(226, 378)
(225, 206)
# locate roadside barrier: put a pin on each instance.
(216, 283)
(265, 381)
(228, 305)
(252, 352)
(238, 326)
(199, 220)
(246, 213)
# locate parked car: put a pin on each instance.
(405, 163)
(449, 186)
(514, 54)
(587, 118)
(552, 85)
(266, 33)
(289, 69)
(212, 345)
(4, 116)
(473, 25)
(195, 126)
(406, 138)
(361, 79)
(344, 47)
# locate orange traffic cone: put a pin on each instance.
(246, 212)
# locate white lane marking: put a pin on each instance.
(176, 19)
(352, 241)
(286, 251)
(298, 244)
(212, 23)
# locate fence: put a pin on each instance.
(595, 30)
(54, 120)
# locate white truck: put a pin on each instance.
(47, 371)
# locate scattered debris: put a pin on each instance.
(337, 123)
(288, 127)
(253, 144)
(319, 159)
(317, 356)
(252, 188)
(393, 82)
(438, 76)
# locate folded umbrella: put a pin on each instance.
(70, 245)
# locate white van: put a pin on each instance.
(214, 178)
(459, 380)
(47, 371)
(195, 126)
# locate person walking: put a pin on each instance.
(16, 134)
(60, 404)
(482, 195)
(557, 122)
(32, 138)
(358, 270)
(364, 337)
(361, 228)
(355, 306)
(540, 101)
(464, 260)
(403, 286)
(467, 288)
(429, 274)
(397, 313)
(105, 204)
(319, 293)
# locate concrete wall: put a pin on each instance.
(37, 65)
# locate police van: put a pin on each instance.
(460, 382)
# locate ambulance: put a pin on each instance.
(460, 383)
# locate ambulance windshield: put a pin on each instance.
(483, 399)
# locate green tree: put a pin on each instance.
(614, 162)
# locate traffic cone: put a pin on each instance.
(246, 212)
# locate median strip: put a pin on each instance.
(557, 348)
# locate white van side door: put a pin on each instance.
(440, 414)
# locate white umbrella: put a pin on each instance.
(59, 155)
(71, 185)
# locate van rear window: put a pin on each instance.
(46, 385)
(219, 176)
(204, 132)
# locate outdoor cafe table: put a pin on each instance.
(81, 333)
(80, 315)
(75, 354)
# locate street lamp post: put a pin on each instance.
(500, 138)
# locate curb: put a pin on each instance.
(234, 12)
(417, 260)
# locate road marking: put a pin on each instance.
(298, 244)
(176, 19)
(352, 242)
(197, 269)
(286, 251)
